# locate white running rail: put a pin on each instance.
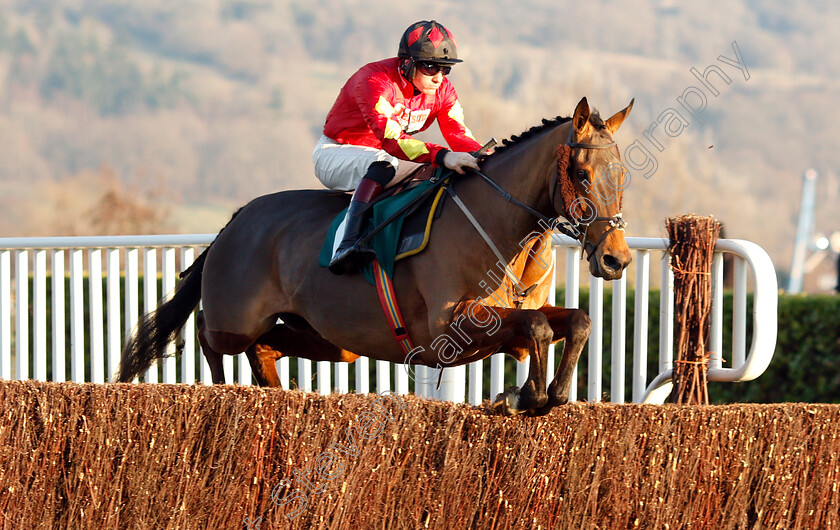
(104, 277)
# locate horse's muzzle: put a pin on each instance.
(612, 265)
(609, 264)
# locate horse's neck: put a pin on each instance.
(526, 174)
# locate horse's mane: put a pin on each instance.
(530, 133)
(567, 190)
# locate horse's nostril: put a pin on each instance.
(611, 262)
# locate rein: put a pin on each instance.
(553, 222)
(521, 294)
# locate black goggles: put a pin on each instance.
(431, 69)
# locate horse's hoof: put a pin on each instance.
(507, 403)
(557, 401)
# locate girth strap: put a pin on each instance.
(388, 300)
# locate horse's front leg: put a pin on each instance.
(524, 333)
(573, 325)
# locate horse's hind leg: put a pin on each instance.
(214, 358)
(283, 340)
(262, 365)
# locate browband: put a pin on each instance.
(592, 146)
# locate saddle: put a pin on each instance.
(407, 234)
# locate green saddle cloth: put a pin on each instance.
(386, 241)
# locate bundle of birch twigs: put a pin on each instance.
(692, 249)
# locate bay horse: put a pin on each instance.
(263, 267)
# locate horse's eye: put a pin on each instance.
(581, 173)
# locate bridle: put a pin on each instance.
(573, 228)
(616, 221)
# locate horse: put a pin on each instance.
(262, 269)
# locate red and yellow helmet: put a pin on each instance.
(428, 40)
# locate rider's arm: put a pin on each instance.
(375, 97)
(450, 117)
(454, 130)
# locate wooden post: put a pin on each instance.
(692, 250)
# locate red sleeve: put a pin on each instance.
(375, 97)
(452, 126)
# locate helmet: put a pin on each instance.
(428, 40)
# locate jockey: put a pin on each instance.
(367, 137)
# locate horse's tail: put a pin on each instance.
(162, 326)
(157, 329)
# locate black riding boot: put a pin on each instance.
(350, 256)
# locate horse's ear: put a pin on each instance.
(617, 119)
(581, 117)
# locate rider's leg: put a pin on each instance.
(341, 167)
(350, 256)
